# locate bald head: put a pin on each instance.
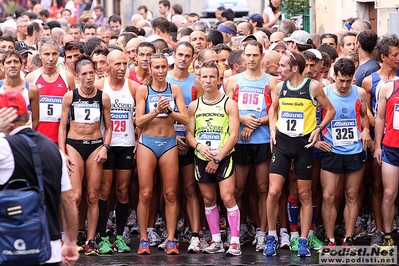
(37, 8)
(56, 34)
(179, 20)
(116, 55)
(271, 59)
(131, 47)
(135, 18)
(276, 37)
(142, 23)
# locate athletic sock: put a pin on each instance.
(293, 213)
(273, 233)
(102, 217)
(212, 217)
(233, 217)
(121, 212)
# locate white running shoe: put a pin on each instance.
(195, 245)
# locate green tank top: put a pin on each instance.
(212, 124)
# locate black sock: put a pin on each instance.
(388, 234)
(195, 234)
(102, 218)
(121, 212)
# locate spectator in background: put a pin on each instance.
(76, 31)
(55, 8)
(44, 15)
(22, 28)
(143, 10)
(228, 15)
(34, 32)
(99, 12)
(67, 14)
(218, 13)
(192, 18)
(271, 14)
(164, 9)
(115, 22)
(176, 9)
(89, 31)
(256, 20)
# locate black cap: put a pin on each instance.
(22, 47)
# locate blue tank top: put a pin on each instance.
(189, 93)
(253, 97)
(343, 132)
(153, 96)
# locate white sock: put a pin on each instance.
(294, 234)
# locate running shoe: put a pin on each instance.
(104, 247)
(348, 244)
(234, 250)
(91, 248)
(294, 243)
(214, 247)
(195, 245)
(120, 245)
(144, 247)
(327, 243)
(81, 239)
(314, 242)
(226, 243)
(80, 249)
(245, 238)
(153, 238)
(377, 239)
(187, 235)
(303, 248)
(163, 244)
(271, 246)
(171, 247)
(284, 240)
(260, 243)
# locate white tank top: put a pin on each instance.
(122, 108)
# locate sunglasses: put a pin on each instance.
(288, 53)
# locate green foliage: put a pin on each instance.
(295, 7)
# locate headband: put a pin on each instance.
(225, 29)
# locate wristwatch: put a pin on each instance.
(216, 161)
(107, 146)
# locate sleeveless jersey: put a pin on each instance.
(50, 103)
(297, 113)
(392, 118)
(25, 94)
(211, 124)
(253, 97)
(343, 132)
(190, 94)
(133, 76)
(86, 110)
(122, 108)
(153, 96)
(376, 84)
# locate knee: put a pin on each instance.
(273, 195)
(305, 196)
(190, 191)
(389, 195)
(263, 190)
(76, 197)
(92, 196)
(105, 190)
(328, 199)
(145, 196)
(122, 195)
(170, 196)
(229, 200)
(352, 195)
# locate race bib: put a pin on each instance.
(87, 113)
(344, 132)
(180, 129)
(210, 139)
(251, 98)
(396, 117)
(153, 103)
(292, 123)
(50, 108)
(119, 121)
